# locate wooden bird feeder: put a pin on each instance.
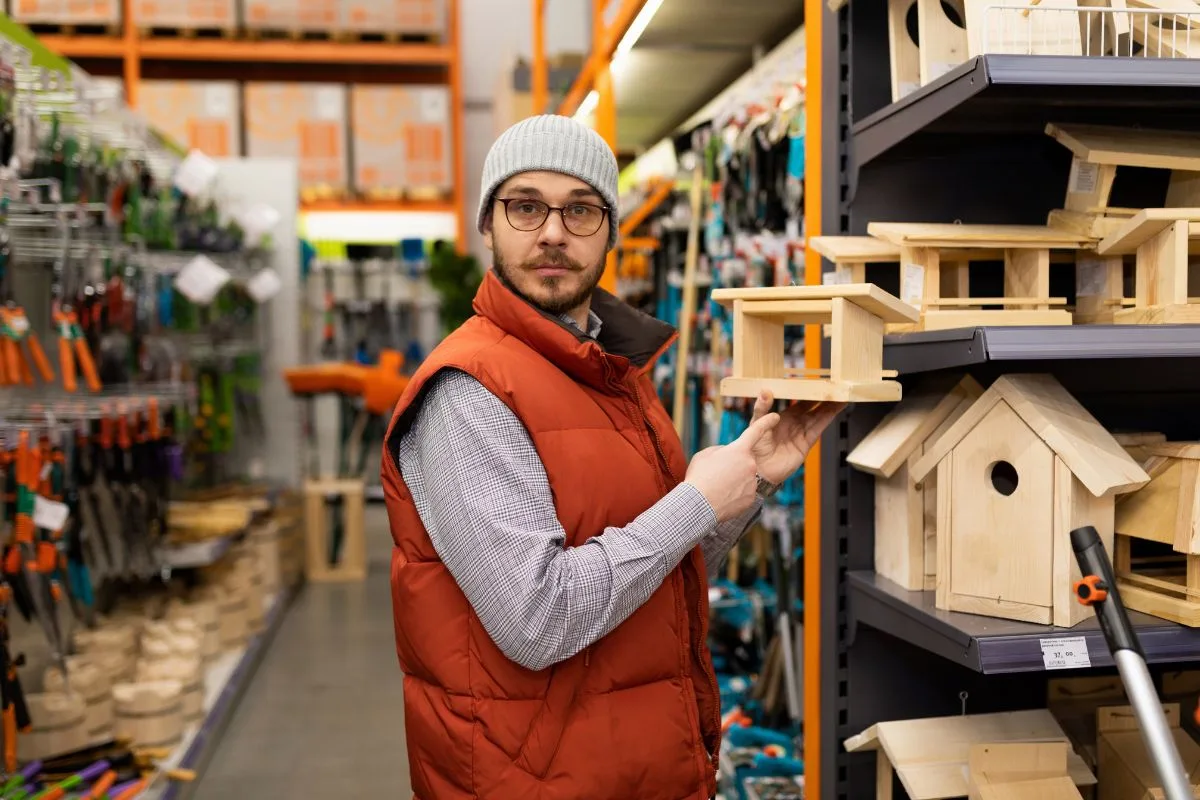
(1166, 510)
(905, 511)
(935, 262)
(1023, 467)
(856, 314)
(1160, 239)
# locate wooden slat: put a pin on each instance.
(1130, 147)
(940, 235)
(1146, 224)
(866, 295)
(854, 249)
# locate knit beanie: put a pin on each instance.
(552, 143)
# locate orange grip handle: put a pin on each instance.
(123, 440)
(152, 418)
(87, 366)
(100, 788)
(133, 791)
(39, 358)
(12, 361)
(10, 739)
(66, 363)
(54, 793)
(26, 372)
(106, 432)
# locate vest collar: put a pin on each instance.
(629, 339)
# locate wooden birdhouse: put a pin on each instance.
(905, 512)
(1016, 473)
(1125, 768)
(1166, 510)
(856, 314)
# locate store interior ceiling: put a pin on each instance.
(690, 51)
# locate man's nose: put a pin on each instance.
(553, 233)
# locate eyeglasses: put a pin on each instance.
(581, 219)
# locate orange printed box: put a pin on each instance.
(67, 12)
(185, 14)
(305, 121)
(291, 15)
(401, 139)
(200, 115)
(420, 17)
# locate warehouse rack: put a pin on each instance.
(970, 147)
(210, 58)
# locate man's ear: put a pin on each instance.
(487, 230)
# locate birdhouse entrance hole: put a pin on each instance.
(1004, 477)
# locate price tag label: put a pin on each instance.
(195, 173)
(49, 514)
(1069, 652)
(912, 284)
(1090, 277)
(1084, 177)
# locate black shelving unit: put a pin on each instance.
(889, 653)
(971, 147)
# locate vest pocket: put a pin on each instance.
(546, 731)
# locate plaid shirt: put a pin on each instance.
(483, 496)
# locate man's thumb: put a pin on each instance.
(759, 428)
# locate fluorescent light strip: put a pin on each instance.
(588, 105)
(637, 28)
(383, 227)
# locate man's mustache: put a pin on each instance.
(554, 259)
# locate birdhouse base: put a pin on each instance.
(1164, 587)
(1178, 314)
(813, 389)
(941, 319)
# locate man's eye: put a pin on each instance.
(578, 211)
(527, 208)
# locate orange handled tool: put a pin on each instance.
(66, 354)
(84, 356)
(100, 788)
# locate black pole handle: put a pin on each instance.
(1098, 589)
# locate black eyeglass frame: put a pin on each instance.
(604, 213)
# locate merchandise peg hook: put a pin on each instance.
(962, 696)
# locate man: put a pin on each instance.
(553, 545)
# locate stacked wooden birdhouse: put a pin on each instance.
(977, 493)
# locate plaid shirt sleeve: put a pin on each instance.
(484, 498)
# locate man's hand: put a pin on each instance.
(782, 450)
(727, 475)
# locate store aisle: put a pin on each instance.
(323, 716)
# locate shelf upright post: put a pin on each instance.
(813, 16)
(541, 69)
(454, 27)
(606, 117)
(131, 57)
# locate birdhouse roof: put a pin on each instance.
(914, 419)
(1091, 453)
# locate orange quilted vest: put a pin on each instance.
(635, 715)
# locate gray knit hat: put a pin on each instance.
(553, 144)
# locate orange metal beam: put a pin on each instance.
(434, 207)
(457, 138)
(814, 14)
(541, 69)
(662, 190)
(640, 243)
(132, 66)
(604, 45)
(163, 49)
(606, 126)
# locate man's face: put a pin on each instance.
(555, 266)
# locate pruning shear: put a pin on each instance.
(73, 348)
(15, 331)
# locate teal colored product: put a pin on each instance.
(796, 157)
(308, 254)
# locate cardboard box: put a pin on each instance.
(402, 140)
(186, 14)
(204, 115)
(416, 17)
(305, 121)
(291, 15)
(66, 12)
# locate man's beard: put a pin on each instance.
(557, 304)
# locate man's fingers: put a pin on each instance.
(819, 417)
(758, 428)
(762, 405)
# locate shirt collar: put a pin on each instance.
(593, 323)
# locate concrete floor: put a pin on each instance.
(323, 716)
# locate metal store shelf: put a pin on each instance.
(994, 646)
(1019, 92)
(923, 352)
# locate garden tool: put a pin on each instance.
(1097, 589)
(38, 558)
(13, 710)
(131, 502)
(73, 351)
(76, 567)
(104, 501)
